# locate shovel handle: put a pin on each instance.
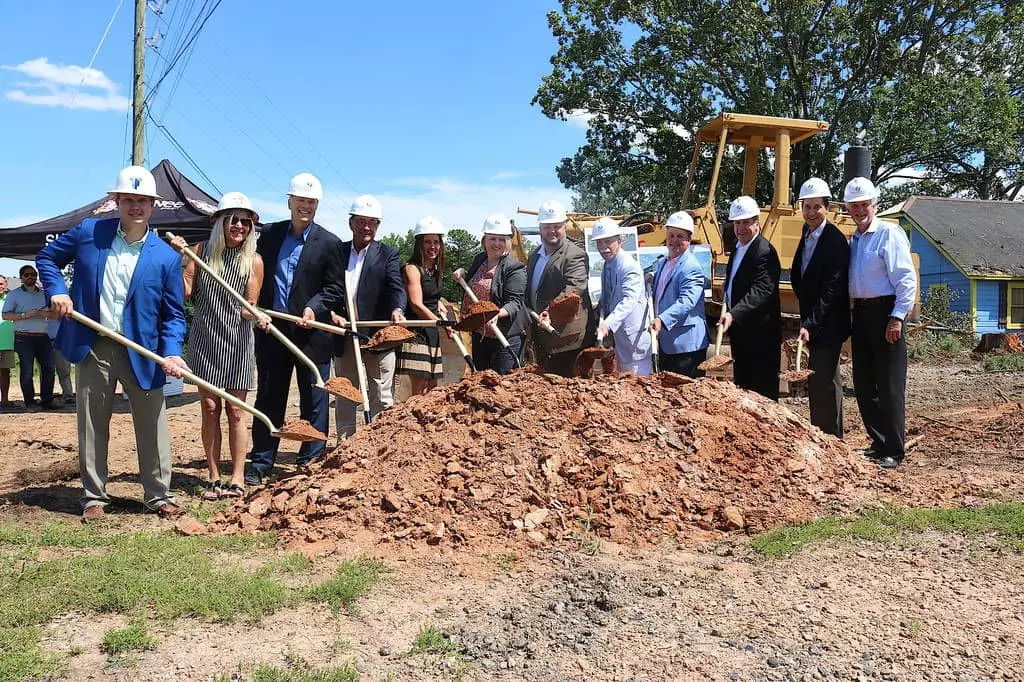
(654, 335)
(442, 310)
(492, 323)
(255, 312)
(322, 326)
(360, 367)
(799, 351)
(546, 326)
(155, 357)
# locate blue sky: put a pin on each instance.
(426, 105)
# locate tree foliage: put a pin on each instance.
(460, 249)
(934, 85)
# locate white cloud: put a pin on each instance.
(456, 203)
(579, 118)
(70, 87)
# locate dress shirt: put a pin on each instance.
(666, 275)
(117, 278)
(538, 270)
(6, 328)
(810, 242)
(354, 269)
(741, 251)
(880, 265)
(21, 301)
(287, 262)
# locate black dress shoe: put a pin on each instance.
(253, 477)
(870, 453)
(890, 462)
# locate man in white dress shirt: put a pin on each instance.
(623, 302)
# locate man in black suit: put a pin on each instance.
(820, 272)
(303, 277)
(373, 279)
(556, 267)
(754, 317)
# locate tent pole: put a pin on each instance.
(138, 86)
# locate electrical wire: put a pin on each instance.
(188, 43)
(177, 145)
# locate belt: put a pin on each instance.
(873, 299)
(17, 333)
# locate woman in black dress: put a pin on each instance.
(420, 358)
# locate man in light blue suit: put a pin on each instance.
(623, 302)
(679, 299)
(129, 280)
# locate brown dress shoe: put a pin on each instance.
(169, 510)
(93, 512)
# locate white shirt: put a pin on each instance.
(538, 270)
(741, 250)
(810, 242)
(117, 278)
(880, 265)
(354, 270)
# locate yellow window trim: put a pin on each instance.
(1010, 288)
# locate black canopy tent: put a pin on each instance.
(183, 208)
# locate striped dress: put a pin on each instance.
(221, 348)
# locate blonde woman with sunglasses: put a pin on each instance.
(220, 339)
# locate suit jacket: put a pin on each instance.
(380, 291)
(318, 284)
(566, 270)
(681, 307)
(154, 311)
(756, 310)
(822, 288)
(508, 291)
(623, 306)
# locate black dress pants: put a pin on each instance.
(756, 356)
(879, 376)
(825, 388)
(683, 363)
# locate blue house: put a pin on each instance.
(976, 248)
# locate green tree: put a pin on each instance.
(934, 86)
(460, 249)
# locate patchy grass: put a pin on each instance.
(1003, 362)
(350, 581)
(21, 657)
(504, 561)
(290, 563)
(1006, 520)
(134, 637)
(298, 670)
(430, 640)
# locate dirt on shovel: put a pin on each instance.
(564, 309)
(300, 430)
(343, 388)
(796, 376)
(475, 316)
(588, 357)
(715, 363)
(388, 338)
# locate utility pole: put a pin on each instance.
(138, 86)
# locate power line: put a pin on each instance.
(192, 38)
(177, 145)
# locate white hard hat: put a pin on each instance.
(605, 227)
(859, 189)
(498, 224)
(743, 208)
(366, 205)
(135, 180)
(429, 225)
(551, 212)
(235, 201)
(681, 220)
(815, 187)
(307, 186)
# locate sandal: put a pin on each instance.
(232, 490)
(213, 491)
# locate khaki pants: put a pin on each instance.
(98, 375)
(380, 378)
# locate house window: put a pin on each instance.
(1015, 305)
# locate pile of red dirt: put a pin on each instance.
(545, 458)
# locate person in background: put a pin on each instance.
(754, 316)
(420, 359)
(556, 267)
(883, 286)
(819, 273)
(60, 364)
(129, 280)
(496, 276)
(26, 307)
(221, 346)
(373, 281)
(623, 302)
(305, 279)
(7, 353)
(678, 288)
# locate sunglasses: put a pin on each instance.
(232, 219)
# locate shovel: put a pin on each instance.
(588, 356)
(493, 323)
(797, 376)
(654, 336)
(295, 430)
(717, 361)
(360, 367)
(333, 387)
(442, 310)
(558, 341)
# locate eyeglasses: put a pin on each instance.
(232, 219)
(29, 275)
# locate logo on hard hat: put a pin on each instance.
(136, 182)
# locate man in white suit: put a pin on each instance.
(679, 301)
(623, 302)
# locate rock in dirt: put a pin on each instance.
(187, 525)
(532, 457)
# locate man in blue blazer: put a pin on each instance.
(129, 280)
(679, 301)
(373, 279)
(303, 278)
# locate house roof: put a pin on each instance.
(983, 238)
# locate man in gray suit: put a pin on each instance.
(554, 268)
(623, 304)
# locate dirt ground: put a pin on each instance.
(931, 606)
